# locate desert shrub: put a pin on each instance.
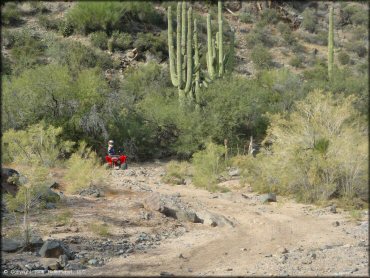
(10, 14)
(246, 17)
(176, 172)
(309, 20)
(269, 16)
(357, 47)
(308, 155)
(99, 39)
(33, 183)
(260, 36)
(343, 58)
(100, 229)
(121, 41)
(358, 33)
(37, 145)
(322, 38)
(26, 49)
(66, 28)
(354, 14)
(261, 57)
(6, 66)
(46, 87)
(38, 7)
(107, 16)
(83, 169)
(157, 45)
(296, 61)
(49, 23)
(207, 165)
(77, 56)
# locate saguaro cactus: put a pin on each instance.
(331, 44)
(185, 67)
(214, 45)
(182, 77)
(221, 57)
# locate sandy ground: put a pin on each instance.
(278, 238)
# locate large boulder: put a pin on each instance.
(54, 249)
(171, 206)
(6, 185)
(10, 245)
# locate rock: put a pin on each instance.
(93, 262)
(234, 172)
(283, 250)
(336, 224)
(269, 197)
(54, 266)
(74, 229)
(50, 206)
(54, 185)
(153, 202)
(74, 266)
(283, 258)
(229, 269)
(10, 245)
(333, 208)
(63, 260)
(36, 242)
(53, 249)
(8, 186)
(166, 274)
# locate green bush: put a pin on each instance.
(77, 56)
(66, 28)
(176, 172)
(207, 165)
(49, 23)
(269, 16)
(27, 48)
(246, 17)
(296, 61)
(37, 145)
(33, 183)
(99, 39)
(122, 41)
(259, 36)
(10, 14)
(157, 45)
(83, 170)
(261, 57)
(309, 21)
(107, 16)
(357, 47)
(354, 14)
(308, 154)
(343, 58)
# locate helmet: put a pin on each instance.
(110, 142)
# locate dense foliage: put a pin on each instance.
(69, 82)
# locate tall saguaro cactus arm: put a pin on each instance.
(211, 49)
(220, 41)
(178, 45)
(189, 55)
(196, 61)
(171, 50)
(331, 44)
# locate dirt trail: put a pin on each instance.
(253, 245)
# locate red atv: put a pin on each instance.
(116, 161)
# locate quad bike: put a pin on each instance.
(116, 161)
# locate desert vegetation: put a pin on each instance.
(275, 94)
